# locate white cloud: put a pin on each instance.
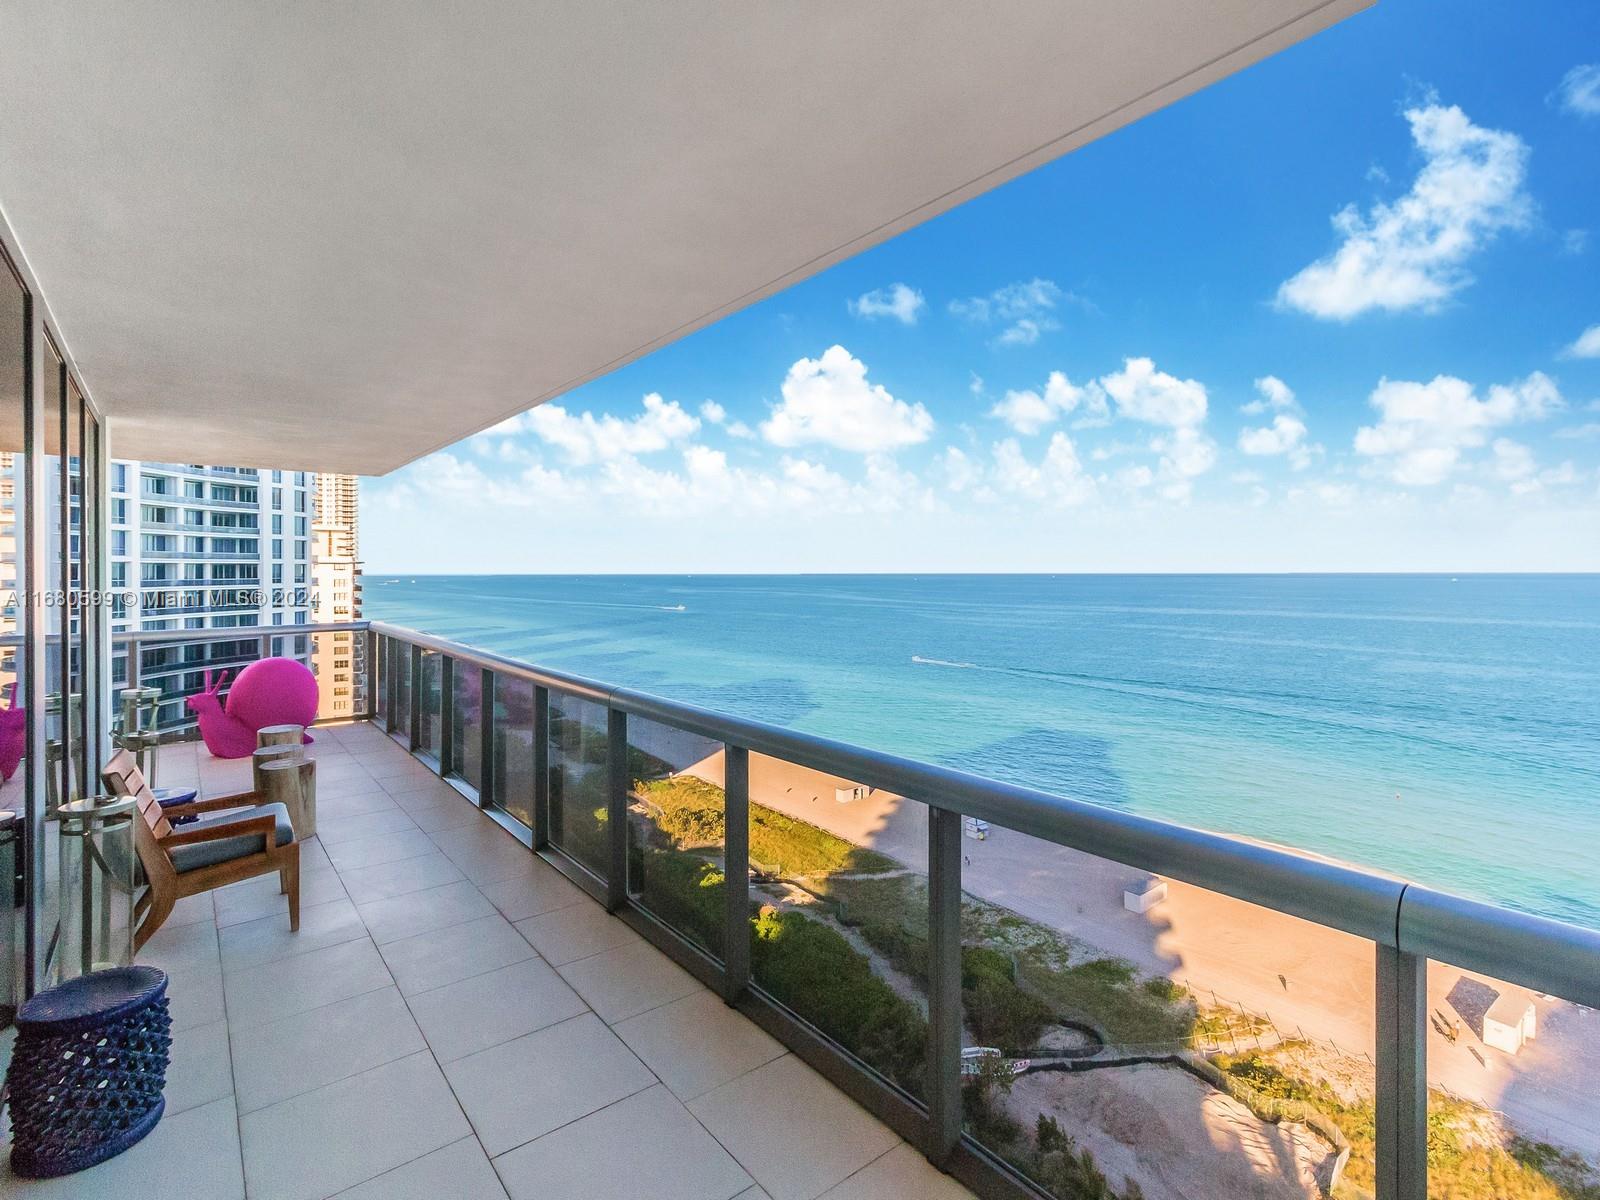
(1028, 412)
(1424, 428)
(1411, 254)
(1579, 90)
(1285, 435)
(828, 400)
(713, 413)
(584, 438)
(1512, 461)
(739, 429)
(1274, 396)
(1587, 344)
(1058, 477)
(443, 478)
(898, 301)
(1145, 394)
(1186, 453)
(1026, 309)
(955, 470)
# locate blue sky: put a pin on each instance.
(1340, 311)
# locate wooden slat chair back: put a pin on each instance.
(260, 848)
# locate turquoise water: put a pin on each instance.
(1444, 729)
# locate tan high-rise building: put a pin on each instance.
(336, 588)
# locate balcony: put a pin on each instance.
(455, 1015)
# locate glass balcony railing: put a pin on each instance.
(1051, 998)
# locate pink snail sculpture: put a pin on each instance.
(273, 691)
(13, 734)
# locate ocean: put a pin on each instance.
(1444, 729)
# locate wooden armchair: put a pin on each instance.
(208, 853)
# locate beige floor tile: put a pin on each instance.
(332, 830)
(259, 897)
(523, 1089)
(436, 816)
(901, 1172)
(195, 997)
(418, 912)
(200, 1070)
(432, 870)
(630, 980)
(575, 932)
(485, 1010)
(193, 1154)
(698, 1043)
(791, 1129)
(322, 1142)
(381, 848)
(647, 1146)
(175, 947)
(190, 909)
(484, 852)
(537, 888)
(311, 1049)
(305, 981)
(460, 1171)
(268, 939)
(335, 804)
(440, 956)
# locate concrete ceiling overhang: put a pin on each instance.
(341, 235)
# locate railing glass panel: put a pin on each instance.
(466, 720)
(1127, 1034)
(400, 664)
(514, 776)
(840, 912)
(676, 830)
(1511, 1079)
(430, 699)
(578, 819)
(378, 679)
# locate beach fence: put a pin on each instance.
(1255, 1031)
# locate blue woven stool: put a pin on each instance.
(87, 1070)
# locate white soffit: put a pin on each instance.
(339, 235)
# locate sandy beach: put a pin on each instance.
(1306, 979)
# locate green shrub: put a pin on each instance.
(816, 972)
(1163, 988)
(685, 892)
(691, 812)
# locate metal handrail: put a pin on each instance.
(1481, 937)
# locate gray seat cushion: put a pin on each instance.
(209, 854)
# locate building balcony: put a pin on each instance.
(455, 1017)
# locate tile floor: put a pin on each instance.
(456, 1019)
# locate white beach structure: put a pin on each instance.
(1144, 895)
(1511, 1021)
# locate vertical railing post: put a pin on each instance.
(944, 983)
(487, 796)
(369, 675)
(264, 650)
(446, 749)
(617, 807)
(736, 873)
(130, 677)
(414, 725)
(541, 768)
(391, 683)
(1402, 1075)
